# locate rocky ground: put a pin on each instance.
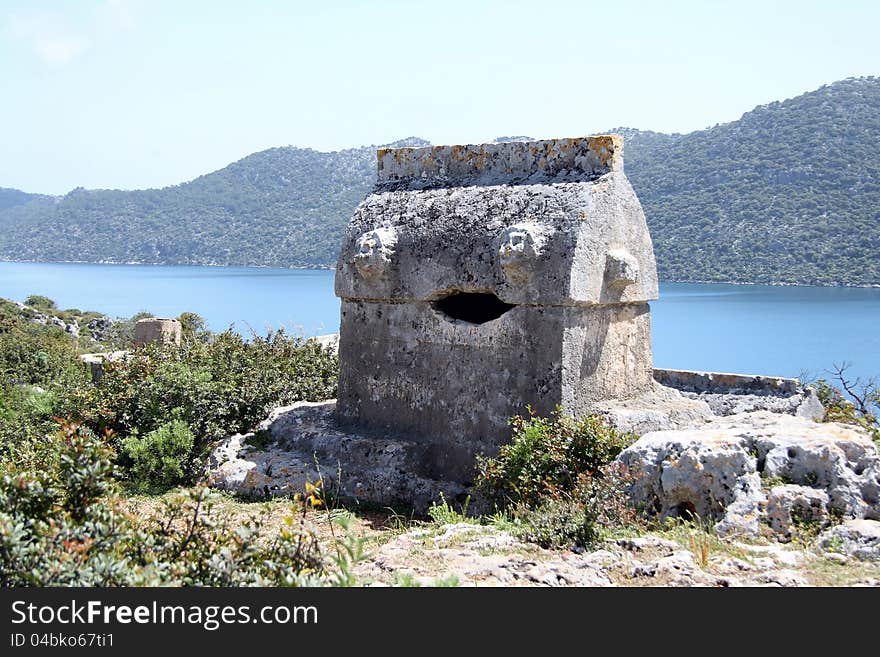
(402, 551)
(787, 500)
(475, 555)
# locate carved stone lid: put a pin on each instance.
(552, 222)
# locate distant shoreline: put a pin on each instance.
(163, 264)
(330, 268)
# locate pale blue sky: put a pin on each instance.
(142, 93)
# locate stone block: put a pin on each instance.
(157, 330)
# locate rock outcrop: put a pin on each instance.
(99, 328)
(303, 443)
(855, 538)
(37, 317)
(731, 394)
(734, 470)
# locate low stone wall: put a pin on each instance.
(729, 394)
(725, 382)
(95, 362)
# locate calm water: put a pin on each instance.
(782, 331)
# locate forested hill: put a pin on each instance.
(790, 193)
(12, 197)
(280, 207)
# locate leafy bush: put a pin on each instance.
(443, 513)
(35, 354)
(37, 362)
(557, 481)
(193, 327)
(159, 459)
(214, 384)
(579, 517)
(547, 456)
(216, 387)
(63, 526)
(40, 302)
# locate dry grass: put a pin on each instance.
(824, 571)
(375, 527)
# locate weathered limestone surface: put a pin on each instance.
(487, 556)
(719, 471)
(720, 382)
(478, 279)
(730, 394)
(856, 538)
(301, 439)
(157, 329)
(791, 503)
(37, 317)
(658, 409)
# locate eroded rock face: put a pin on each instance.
(790, 504)
(720, 471)
(856, 538)
(660, 408)
(99, 328)
(730, 394)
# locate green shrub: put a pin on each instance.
(580, 517)
(39, 302)
(557, 482)
(193, 327)
(546, 458)
(217, 387)
(34, 354)
(159, 460)
(25, 418)
(37, 362)
(558, 522)
(63, 526)
(443, 513)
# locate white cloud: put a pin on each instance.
(58, 39)
(60, 49)
(116, 15)
(48, 35)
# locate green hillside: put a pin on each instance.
(790, 193)
(11, 197)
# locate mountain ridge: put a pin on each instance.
(789, 193)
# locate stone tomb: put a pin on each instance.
(478, 279)
(160, 330)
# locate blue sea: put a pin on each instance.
(753, 329)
